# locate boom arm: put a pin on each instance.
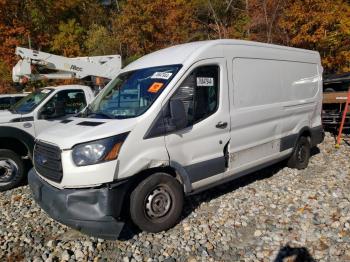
(64, 68)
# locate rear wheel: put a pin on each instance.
(301, 154)
(156, 203)
(11, 169)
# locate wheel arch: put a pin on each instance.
(17, 140)
(174, 169)
(305, 131)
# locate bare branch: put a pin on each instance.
(216, 19)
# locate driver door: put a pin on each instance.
(63, 104)
(200, 147)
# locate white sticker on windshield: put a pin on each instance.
(205, 81)
(161, 75)
(45, 91)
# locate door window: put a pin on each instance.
(66, 102)
(200, 93)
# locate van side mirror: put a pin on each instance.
(178, 114)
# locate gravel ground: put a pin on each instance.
(274, 211)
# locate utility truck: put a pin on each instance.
(174, 123)
(46, 106)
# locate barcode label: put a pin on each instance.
(205, 81)
(161, 75)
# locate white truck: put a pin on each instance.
(45, 107)
(174, 123)
(27, 118)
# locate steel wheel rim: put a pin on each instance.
(8, 169)
(158, 203)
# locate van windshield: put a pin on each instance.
(30, 102)
(132, 93)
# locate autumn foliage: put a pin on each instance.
(133, 28)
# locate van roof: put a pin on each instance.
(178, 54)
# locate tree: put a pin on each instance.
(5, 78)
(222, 19)
(144, 26)
(12, 33)
(322, 25)
(100, 41)
(264, 16)
(69, 39)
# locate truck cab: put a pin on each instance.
(173, 123)
(25, 120)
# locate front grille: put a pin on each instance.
(47, 161)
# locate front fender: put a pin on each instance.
(26, 139)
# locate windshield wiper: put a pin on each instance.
(89, 111)
(101, 113)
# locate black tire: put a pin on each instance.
(11, 170)
(301, 154)
(156, 203)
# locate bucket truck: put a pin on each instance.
(46, 106)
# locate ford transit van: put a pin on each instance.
(173, 123)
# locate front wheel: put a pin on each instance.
(156, 203)
(301, 154)
(11, 169)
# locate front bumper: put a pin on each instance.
(95, 212)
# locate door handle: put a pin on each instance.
(221, 125)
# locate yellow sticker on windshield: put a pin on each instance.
(155, 87)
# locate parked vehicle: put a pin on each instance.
(335, 88)
(25, 120)
(8, 100)
(47, 106)
(174, 123)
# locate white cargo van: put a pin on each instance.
(173, 123)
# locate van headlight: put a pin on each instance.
(98, 151)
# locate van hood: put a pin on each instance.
(6, 116)
(72, 131)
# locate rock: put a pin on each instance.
(191, 259)
(249, 219)
(65, 256)
(51, 244)
(79, 255)
(257, 233)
